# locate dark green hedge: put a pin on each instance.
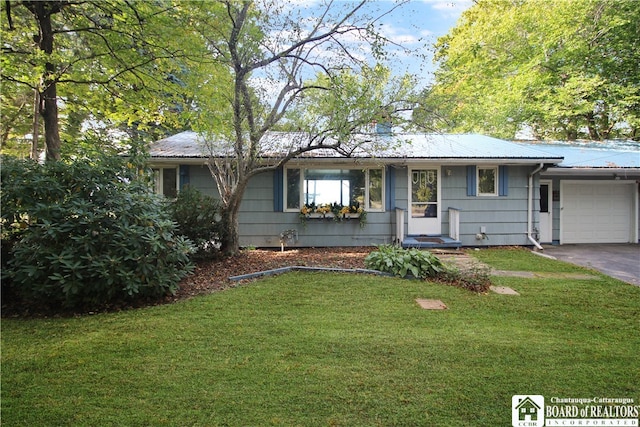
(83, 235)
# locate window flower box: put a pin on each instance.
(336, 212)
(319, 215)
(351, 215)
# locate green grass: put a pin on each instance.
(314, 349)
(520, 259)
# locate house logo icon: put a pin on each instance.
(527, 411)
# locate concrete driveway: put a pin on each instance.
(619, 261)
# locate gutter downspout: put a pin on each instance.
(530, 207)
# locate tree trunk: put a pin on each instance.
(42, 11)
(231, 189)
(49, 112)
(592, 126)
(230, 240)
(572, 130)
(36, 125)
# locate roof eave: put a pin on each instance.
(591, 171)
(429, 160)
(476, 160)
(386, 160)
(178, 160)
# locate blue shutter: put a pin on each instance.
(390, 187)
(503, 181)
(278, 189)
(184, 176)
(471, 180)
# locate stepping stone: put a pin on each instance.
(509, 273)
(503, 290)
(431, 304)
(577, 276)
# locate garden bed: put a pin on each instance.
(214, 275)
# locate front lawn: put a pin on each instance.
(316, 349)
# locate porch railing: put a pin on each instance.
(454, 223)
(399, 226)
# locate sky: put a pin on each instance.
(416, 25)
(420, 23)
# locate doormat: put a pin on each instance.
(431, 304)
(429, 239)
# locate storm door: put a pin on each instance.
(424, 202)
(546, 212)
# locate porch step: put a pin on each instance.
(430, 242)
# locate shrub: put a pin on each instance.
(423, 264)
(82, 235)
(400, 262)
(198, 218)
(476, 278)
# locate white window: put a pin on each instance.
(347, 187)
(487, 180)
(292, 188)
(166, 182)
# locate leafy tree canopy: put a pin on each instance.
(564, 68)
(315, 73)
(233, 70)
(124, 64)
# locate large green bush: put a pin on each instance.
(198, 218)
(83, 235)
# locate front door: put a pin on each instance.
(424, 201)
(546, 212)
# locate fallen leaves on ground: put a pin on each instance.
(214, 275)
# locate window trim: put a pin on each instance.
(495, 181)
(367, 185)
(158, 178)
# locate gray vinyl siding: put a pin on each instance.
(505, 217)
(200, 178)
(261, 226)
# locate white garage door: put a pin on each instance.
(596, 212)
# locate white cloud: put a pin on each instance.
(412, 30)
(401, 35)
(449, 9)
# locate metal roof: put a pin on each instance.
(183, 144)
(590, 154)
(397, 146)
(463, 146)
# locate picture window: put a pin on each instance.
(347, 187)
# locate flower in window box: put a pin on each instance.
(323, 209)
(335, 210)
(305, 213)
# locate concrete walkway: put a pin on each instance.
(466, 262)
(621, 261)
